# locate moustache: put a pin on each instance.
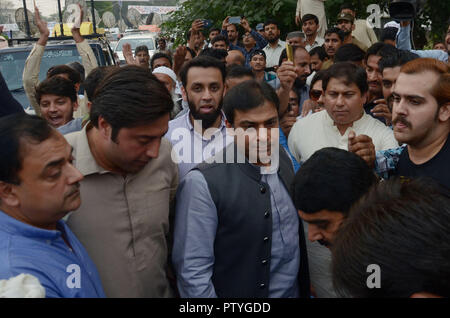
(75, 189)
(401, 120)
(324, 243)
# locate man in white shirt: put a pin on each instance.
(276, 46)
(345, 92)
(310, 26)
(316, 7)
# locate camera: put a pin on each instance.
(405, 10)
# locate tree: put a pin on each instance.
(256, 11)
(434, 16)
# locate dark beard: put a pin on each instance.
(207, 119)
(299, 83)
(273, 40)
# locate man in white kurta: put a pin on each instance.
(315, 7)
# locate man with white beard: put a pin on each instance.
(169, 79)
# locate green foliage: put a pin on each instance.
(255, 11)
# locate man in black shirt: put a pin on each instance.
(421, 119)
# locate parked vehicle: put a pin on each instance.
(135, 40)
(12, 62)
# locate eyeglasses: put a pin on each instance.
(315, 94)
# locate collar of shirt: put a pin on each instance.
(13, 226)
(280, 43)
(356, 125)
(84, 160)
(221, 129)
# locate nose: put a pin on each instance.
(399, 107)
(308, 69)
(207, 95)
(340, 100)
(153, 149)
(52, 107)
(313, 233)
(74, 175)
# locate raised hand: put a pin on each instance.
(128, 54)
(382, 110)
(41, 24)
(362, 146)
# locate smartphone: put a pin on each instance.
(289, 52)
(234, 20)
(207, 24)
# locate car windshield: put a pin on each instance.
(149, 42)
(12, 64)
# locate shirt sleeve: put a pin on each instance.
(292, 142)
(195, 230)
(372, 36)
(87, 57)
(31, 75)
(386, 161)
(261, 42)
(404, 38)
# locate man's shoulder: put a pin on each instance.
(176, 123)
(73, 137)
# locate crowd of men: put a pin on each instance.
(227, 168)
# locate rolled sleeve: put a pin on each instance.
(194, 234)
(31, 75)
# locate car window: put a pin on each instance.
(149, 42)
(12, 63)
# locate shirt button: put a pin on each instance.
(264, 262)
(266, 239)
(267, 214)
(263, 189)
(262, 286)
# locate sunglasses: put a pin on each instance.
(315, 94)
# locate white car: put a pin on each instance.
(135, 40)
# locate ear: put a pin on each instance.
(444, 112)
(8, 197)
(89, 105)
(353, 27)
(104, 128)
(228, 124)
(184, 94)
(77, 87)
(75, 106)
(364, 96)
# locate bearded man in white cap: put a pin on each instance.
(169, 79)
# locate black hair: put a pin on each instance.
(77, 66)
(310, 16)
(160, 55)
(130, 96)
(203, 62)
(402, 226)
(74, 75)
(271, 21)
(219, 38)
(348, 71)
(349, 53)
(319, 76)
(141, 48)
(258, 52)
(237, 71)
(16, 129)
(58, 86)
(389, 33)
(347, 6)
(339, 32)
(320, 51)
(213, 29)
(376, 48)
(94, 79)
(219, 54)
(394, 60)
(248, 95)
(331, 179)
